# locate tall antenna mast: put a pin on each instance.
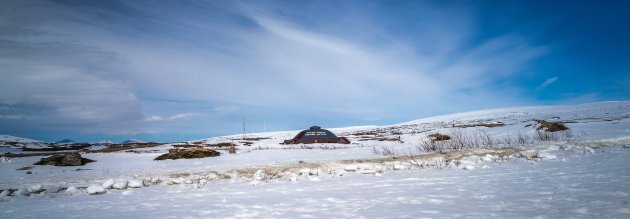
(244, 133)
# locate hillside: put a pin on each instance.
(489, 153)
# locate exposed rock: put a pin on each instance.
(71, 159)
(188, 153)
(25, 168)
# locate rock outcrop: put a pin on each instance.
(70, 159)
(188, 153)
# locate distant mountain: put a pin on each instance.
(131, 141)
(65, 141)
(105, 142)
(9, 138)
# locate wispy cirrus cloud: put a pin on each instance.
(95, 64)
(546, 83)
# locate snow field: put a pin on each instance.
(326, 170)
(581, 176)
(572, 186)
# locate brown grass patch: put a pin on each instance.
(487, 125)
(551, 126)
(188, 153)
(221, 144)
(439, 137)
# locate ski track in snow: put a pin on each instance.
(578, 186)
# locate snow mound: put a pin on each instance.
(135, 183)
(108, 183)
(95, 189)
(72, 190)
(547, 156)
(120, 184)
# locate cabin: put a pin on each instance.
(316, 134)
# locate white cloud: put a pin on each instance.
(182, 116)
(153, 119)
(547, 82)
(225, 109)
(13, 117)
(97, 72)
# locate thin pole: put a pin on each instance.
(244, 133)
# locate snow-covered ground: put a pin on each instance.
(580, 174)
(572, 186)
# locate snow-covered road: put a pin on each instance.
(572, 186)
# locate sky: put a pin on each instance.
(184, 70)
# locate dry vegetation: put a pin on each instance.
(221, 144)
(439, 137)
(364, 138)
(458, 139)
(551, 126)
(188, 153)
(487, 125)
(251, 139)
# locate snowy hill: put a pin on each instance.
(9, 138)
(475, 173)
(105, 142)
(133, 141)
(65, 141)
(12, 144)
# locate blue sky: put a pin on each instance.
(181, 70)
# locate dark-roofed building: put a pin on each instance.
(316, 134)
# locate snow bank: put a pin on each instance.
(4, 193)
(135, 183)
(96, 189)
(120, 184)
(72, 190)
(108, 183)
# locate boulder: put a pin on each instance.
(188, 153)
(70, 159)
